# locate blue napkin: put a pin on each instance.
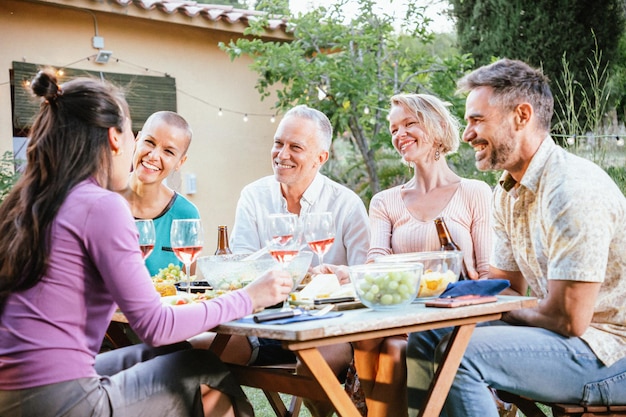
(294, 319)
(476, 287)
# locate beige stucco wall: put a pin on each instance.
(226, 153)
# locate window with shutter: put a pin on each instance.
(145, 94)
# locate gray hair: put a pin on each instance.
(433, 113)
(324, 128)
(513, 82)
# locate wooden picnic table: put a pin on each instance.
(304, 339)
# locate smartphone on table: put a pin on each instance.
(464, 300)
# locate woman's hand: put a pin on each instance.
(341, 271)
(270, 288)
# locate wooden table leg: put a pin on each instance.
(328, 382)
(440, 386)
(116, 335)
(219, 343)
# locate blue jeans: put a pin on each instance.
(528, 361)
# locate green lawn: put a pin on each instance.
(262, 408)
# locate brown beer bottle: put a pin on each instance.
(447, 243)
(222, 241)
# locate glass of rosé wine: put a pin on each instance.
(187, 239)
(285, 239)
(147, 236)
(319, 232)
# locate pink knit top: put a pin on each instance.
(467, 215)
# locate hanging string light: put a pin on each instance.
(220, 110)
(571, 140)
(322, 90)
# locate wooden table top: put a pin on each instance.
(366, 320)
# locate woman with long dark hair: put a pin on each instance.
(70, 254)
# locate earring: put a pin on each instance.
(118, 152)
(437, 155)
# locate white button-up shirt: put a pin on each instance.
(264, 197)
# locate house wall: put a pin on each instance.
(225, 153)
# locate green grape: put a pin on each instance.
(388, 288)
(171, 272)
(386, 299)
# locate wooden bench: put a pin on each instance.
(281, 372)
(531, 409)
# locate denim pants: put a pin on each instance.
(528, 361)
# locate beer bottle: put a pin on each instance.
(447, 243)
(444, 235)
(222, 241)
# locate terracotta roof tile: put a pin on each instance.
(194, 9)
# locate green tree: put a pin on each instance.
(239, 4)
(540, 32)
(8, 175)
(618, 80)
(349, 70)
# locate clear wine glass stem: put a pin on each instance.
(286, 306)
(188, 272)
(320, 256)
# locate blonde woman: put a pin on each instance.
(423, 132)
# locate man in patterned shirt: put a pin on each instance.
(560, 230)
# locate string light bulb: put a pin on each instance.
(273, 119)
(366, 110)
(245, 118)
(620, 142)
(219, 112)
(571, 140)
(321, 95)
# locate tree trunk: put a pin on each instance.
(367, 154)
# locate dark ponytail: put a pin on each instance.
(68, 144)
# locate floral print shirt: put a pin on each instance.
(566, 220)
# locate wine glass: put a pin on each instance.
(285, 239)
(319, 232)
(187, 238)
(147, 236)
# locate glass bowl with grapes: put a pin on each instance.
(231, 272)
(440, 269)
(386, 286)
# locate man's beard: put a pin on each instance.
(501, 150)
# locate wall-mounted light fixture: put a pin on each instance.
(191, 186)
(103, 56)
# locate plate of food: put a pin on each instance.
(178, 299)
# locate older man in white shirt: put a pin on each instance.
(301, 145)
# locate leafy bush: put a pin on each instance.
(586, 129)
(619, 176)
(8, 175)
